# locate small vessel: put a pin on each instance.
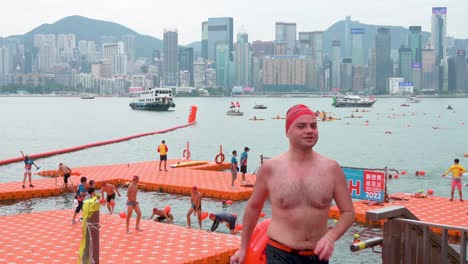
(414, 99)
(352, 101)
(449, 107)
(156, 99)
(260, 106)
(255, 118)
(234, 112)
(404, 105)
(87, 96)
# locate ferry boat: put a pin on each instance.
(414, 99)
(352, 101)
(87, 96)
(260, 106)
(156, 99)
(233, 112)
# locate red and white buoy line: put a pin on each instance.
(92, 145)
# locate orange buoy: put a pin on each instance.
(123, 215)
(229, 202)
(262, 214)
(193, 114)
(238, 227)
(204, 215)
(167, 209)
(422, 173)
(256, 251)
(396, 176)
(403, 172)
(430, 192)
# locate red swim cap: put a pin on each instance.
(211, 215)
(155, 210)
(194, 188)
(136, 177)
(295, 112)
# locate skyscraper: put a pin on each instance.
(404, 64)
(220, 30)
(347, 37)
(204, 40)
(129, 46)
(346, 72)
(439, 43)
(186, 63)
(383, 62)
(460, 67)
(357, 46)
(171, 58)
(415, 44)
(336, 61)
(242, 59)
(286, 33)
(222, 65)
(305, 43)
(430, 71)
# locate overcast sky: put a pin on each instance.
(258, 17)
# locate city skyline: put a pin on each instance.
(259, 25)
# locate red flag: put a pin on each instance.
(232, 104)
(237, 104)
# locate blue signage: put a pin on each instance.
(416, 65)
(358, 30)
(405, 84)
(365, 184)
(439, 10)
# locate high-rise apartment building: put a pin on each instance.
(129, 46)
(199, 73)
(286, 33)
(204, 40)
(186, 63)
(430, 71)
(171, 58)
(263, 48)
(346, 71)
(242, 60)
(359, 78)
(220, 31)
(384, 67)
(284, 73)
(357, 46)
(222, 65)
(404, 64)
(336, 61)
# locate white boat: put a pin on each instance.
(234, 112)
(87, 96)
(414, 99)
(352, 101)
(156, 99)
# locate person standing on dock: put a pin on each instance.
(110, 191)
(243, 164)
(457, 173)
(195, 200)
(80, 195)
(234, 169)
(132, 203)
(66, 172)
(28, 163)
(301, 185)
(162, 149)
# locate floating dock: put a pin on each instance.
(213, 180)
(432, 209)
(49, 237)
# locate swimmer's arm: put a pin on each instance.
(344, 203)
(215, 225)
(255, 204)
(116, 190)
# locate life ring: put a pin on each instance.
(186, 154)
(219, 159)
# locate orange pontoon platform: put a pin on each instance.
(49, 237)
(210, 179)
(432, 209)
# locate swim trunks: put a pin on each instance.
(162, 157)
(65, 177)
(277, 253)
(160, 218)
(132, 203)
(195, 207)
(110, 197)
(456, 183)
(243, 169)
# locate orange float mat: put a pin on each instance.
(210, 180)
(49, 237)
(432, 209)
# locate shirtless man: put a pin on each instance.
(110, 191)
(162, 215)
(65, 171)
(195, 207)
(301, 185)
(132, 203)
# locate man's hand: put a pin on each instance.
(324, 248)
(238, 257)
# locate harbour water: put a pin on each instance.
(424, 136)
